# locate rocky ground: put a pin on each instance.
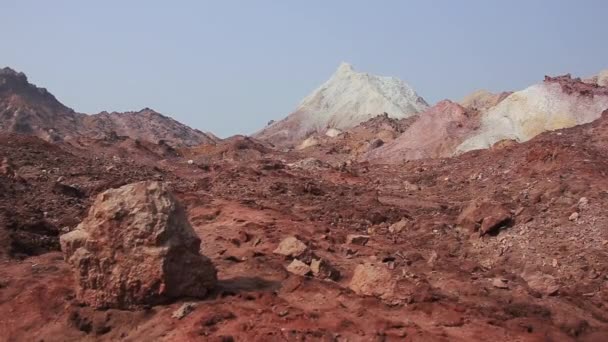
(506, 244)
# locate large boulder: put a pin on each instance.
(136, 247)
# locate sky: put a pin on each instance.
(230, 66)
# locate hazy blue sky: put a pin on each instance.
(230, 66)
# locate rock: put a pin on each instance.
(583, 202)
(322, 269)
(136, 247)
(372, 279)
(433, 258)
(574, 216)
(473, 215)
(332, 132)
(6, 168)
(310, 142)
(190, 162)
(68, 190)
(491, 224)
(500, 283)
(542, 283)
(184, 310)
(375, 144)
(299, 268)
(398, 227)
(356, 239)
(291, 247)
(407, 186)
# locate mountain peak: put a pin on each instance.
(347, 99)
(8, 75)
(345, 68)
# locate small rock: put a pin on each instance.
(299, 268)
(322, 269)
(432, 258)
(542, 283)
(398, 227)
(500, 283)
(315, 266)
(492, 223)
(375, 144)
(184, 310)
(68, 190)
(356, 239)
(373, 279)
(583, 202)
(407, 186)
(495, 215)
(291, 247)
(574, 216)
(6, 168)
(190, 162)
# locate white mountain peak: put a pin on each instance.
(345, 69)
(345, 100)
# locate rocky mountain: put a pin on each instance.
(146, 124)
(483, 119)
(345, 100)
(558, 102)
(27, 109)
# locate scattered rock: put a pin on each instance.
(494, 214)
(500, 283)
(184, 310)
(583, 202)
(375, 144)
(136, 247)
(432, 258)
(356, 239)
(6, 168)
(299, 268)
(398, 227)
(542, 283)
(291, 247)
(332, 132)
(491, 224)
(372, 279)
(68, 190)
(322, 269)
(407, 186)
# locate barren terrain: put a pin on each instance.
(506, 244)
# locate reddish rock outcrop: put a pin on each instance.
(136, 247)
(436, 133)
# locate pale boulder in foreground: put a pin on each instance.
(136, 247)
